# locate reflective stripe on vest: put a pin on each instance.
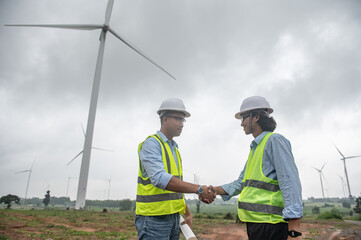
(147, 181)
(260, 199)
(159, 197)
(255, 207)
(262, 185)
(152, 201)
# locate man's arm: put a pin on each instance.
(294, 224)
(177, 185)
(288, 179)
(188, 218)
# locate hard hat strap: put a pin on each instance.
(250, 123)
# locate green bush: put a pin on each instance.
(333, 214)
(228, 216)
(346, 205)
(315, 210)
(3, 237)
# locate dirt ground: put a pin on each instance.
(320, 230)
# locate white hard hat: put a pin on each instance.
(173, 104)
(253, 103)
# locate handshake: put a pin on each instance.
(208, 195)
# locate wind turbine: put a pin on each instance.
(67, 188)
(109, 180)
(343, 185)
(321, 175)
(105, 28)
(27, 185)
(344, 166)
(83, 150)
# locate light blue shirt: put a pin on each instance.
(151, 159)
(278, 164)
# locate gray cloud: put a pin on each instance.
(303, 56)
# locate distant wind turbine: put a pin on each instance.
(27, 184)
(67, 188)
(83, 150)
(321, 175)
(84, 170)
(109, 180)
(343, 185)
(344, 165)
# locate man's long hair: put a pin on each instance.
(265, 121)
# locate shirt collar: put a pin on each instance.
(258, 139)
(165, 139)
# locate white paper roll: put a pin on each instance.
(186, 230)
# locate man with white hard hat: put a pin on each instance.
(270, 200)
(160, 197)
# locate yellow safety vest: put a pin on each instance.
(153, 201)
(260, 200)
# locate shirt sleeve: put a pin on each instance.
(280, 153)
(150, 156)
(234, 188)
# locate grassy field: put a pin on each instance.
(62, 224)
(53, 223)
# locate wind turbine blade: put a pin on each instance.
(352, 157)
(23, 171)
(316, 169)
(31, 168)
(339, 151)
(74, 158)
(108, 12)
(102, 149)
(139, 52)
(82, 128)
(67, 26)
(323, 166)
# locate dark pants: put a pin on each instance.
(267, 231)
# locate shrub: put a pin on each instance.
(328, 205)
(228, 216)
(125, 204)
(333, 214)
(315, 210)
(3, 237)
(357, 208)
(346, 205)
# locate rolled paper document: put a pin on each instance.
(186, 230)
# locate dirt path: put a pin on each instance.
(320, 230)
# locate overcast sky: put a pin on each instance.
(303, 56)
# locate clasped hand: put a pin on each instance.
(208, 195)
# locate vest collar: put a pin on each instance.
(258, 139)
(165, 139)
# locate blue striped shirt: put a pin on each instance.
(278, 164)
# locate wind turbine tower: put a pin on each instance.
(105, 28)
(27, 184)
(321, 175)
(109, 180)
(344, 166)
(67, 188)
(343, 185)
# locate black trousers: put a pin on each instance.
(267, 231)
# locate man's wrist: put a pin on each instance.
(294, 233)
(200, 190)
